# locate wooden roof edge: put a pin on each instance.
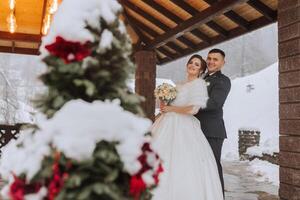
(256, 24)
(200, 18)
(18, 50)
(22, 37)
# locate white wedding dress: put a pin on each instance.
(190, 170)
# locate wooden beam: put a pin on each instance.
(174, 46)
(155, 34)
(256, 24)
(136, 29)
(216, 27)
(163, 11)
(185, 6)
(201, 35)
(200, 18)
(143, 27)
(18, 50)
(163, 61)
(145, 15)
(20, 37)
(177, 20)
(239, 20)
(193, 11)
(233, 16)
(263, 9)
(187, 42)
(167, 53)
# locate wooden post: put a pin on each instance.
(289, 97)
(145, 79)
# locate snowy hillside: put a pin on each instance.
(253, 103)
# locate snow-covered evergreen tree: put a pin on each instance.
(91, 142)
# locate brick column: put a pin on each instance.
(289, 97)
(145, 79)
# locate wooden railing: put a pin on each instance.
(8, 132)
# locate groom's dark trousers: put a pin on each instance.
(211, 117)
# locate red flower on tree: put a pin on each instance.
(69, 51)
(58, 178)
(157, 173)
(19, 189)
(137, 184)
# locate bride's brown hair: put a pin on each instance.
(203, 63)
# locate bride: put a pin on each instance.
(190, 170)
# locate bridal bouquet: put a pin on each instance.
(166, 93)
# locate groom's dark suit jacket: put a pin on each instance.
(211, 117)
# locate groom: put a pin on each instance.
(211, 117)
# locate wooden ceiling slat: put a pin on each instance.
(163, 11)
(273, 4)
(201, 35)
(167, 53)
(142, 26)
(148, 17)
(192, 11)
(216, 27)
(153, 12)
(233, 16)
(195, 21)
(207, 30)
(150, 37)
(151, 32)
(263, 9)
(136, 29)
(184, 5)
(144, 14)
(159, 55)
(177, 20)
(180, 44)
(169, 49)
(187, 42)
(144, 21)
(192, 38)
(174, 46)
(151, 19)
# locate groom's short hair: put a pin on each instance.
(217, 51)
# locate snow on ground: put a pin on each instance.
(253, 103)
(270, 146)
(265, 171)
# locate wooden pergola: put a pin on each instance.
(173, 28)
(165, 30)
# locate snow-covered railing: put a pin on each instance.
(247, 138)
